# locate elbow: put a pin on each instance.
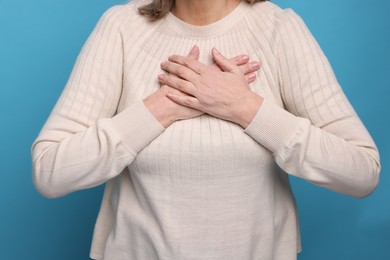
(368, 183)
(44, 186)
(45, 192)
(44, 180)
(368, 187)
(365, 191)
(359, 183)
(363, 177)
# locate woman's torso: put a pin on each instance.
(203, 189)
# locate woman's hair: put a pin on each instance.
(159, 8)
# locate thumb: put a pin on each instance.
(194, 53)
(225, 64)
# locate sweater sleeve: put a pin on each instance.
(84, 142)
(317, 136)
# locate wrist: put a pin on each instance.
(158, 108)
(247, 109)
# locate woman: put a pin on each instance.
(195, 150)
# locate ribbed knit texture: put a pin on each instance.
(202, 188)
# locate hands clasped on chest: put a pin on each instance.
(192, 88)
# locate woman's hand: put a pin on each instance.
(165, 110)
(223, 93)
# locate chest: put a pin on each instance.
(204, 145)
(142, 65)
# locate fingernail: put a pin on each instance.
(215, 51)
(245, 57)
(255, 65)
(195, 50)
(162, 64)
(251, 77)
(160, 77)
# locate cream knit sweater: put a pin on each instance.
(202, 188)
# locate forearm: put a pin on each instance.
(319, 155)
(64, 162)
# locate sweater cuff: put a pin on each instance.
(273, 127)
(136, 126)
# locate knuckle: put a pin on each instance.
(182, 85)
(186, 62)
(189, 85)
(203, 70)
(208, 102)
(237, 61)
(187, 102)
(180, 72)
(245, 68)
(199, 69)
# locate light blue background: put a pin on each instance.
(39, 42)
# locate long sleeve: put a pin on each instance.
(317, 136)
(84, 142)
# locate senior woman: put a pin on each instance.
(195, 150)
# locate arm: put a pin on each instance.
(82, 143)
(320, 139)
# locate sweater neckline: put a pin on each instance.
(222, 25)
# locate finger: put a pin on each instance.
(177, 83)
(250, 67)
(224, 63)
(240, 59)
(188, 62)
(250, 77)
(187, 101)
(179, 70)
(194, 53)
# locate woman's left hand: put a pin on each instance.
(223, 93)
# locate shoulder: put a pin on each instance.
(270, 14)
(118, 14)
(273, 21)
(273, 10)
(123, 13)
(126, 18)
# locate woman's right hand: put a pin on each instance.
(167, 112)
